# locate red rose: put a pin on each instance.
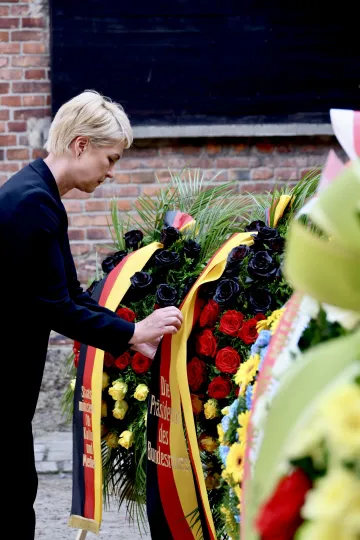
(209, 314)
(197, 404)
(126, 314)
(227, 360)
(76, 346)
(76, 358)
(248, 332)
(230, 322)
(206, 344)
(220, 387)
(280, 516)
(260, 317)
(196, 372)
(109, 359)
(140, 363)
(123, 360)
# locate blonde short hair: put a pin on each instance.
(90, 115)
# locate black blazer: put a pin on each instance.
(41, 291)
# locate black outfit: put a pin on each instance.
(40, 293)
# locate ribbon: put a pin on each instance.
(178, 504)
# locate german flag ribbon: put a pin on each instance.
(86, 510)
(177, 500)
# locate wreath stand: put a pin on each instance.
(81, 535)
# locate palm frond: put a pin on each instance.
(117, 227)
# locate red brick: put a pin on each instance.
(124, 205)
(284, 148)
(4, 37)
(164, 176)
(4, 115)
(7, 140)
(17, 126)
(265, 147)
(238, 148)
(33, 101)
(11, 101)
(4, 62)
(35, 74)
(9, 48)
(2, 127)
(151, 190)
(73, 206)
(80, 249)
(23, 140)
(8, 167)
(262, 173)
(9, 23)
(34, 48)
(30, 61)
(25, 114)
(80, 221)
(76, 234)
(33, 22)
(308, 170)
(39, 153)
(138, 152)
(122, 178)
(76, 194)
(19, 10)
(97, 206)
(100, 220)
(243, 162)
(216, 176)
(4, 11)
(286, 174)
(98, 234)
(4, 88)
(142, 177)
(10, 74)
(17, 154)
(31, 87)
(213, 149)
(256, 187)
(26, 35)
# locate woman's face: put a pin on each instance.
(94, 164)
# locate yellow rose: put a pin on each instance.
(118, 390)
(211, 409)
(225, 411)
(103, 408)
(111, 440)
(212, 481)
(141, 392)
(126, 439)
(207, 443)
(120, 409)
(72, 384)
(105, 380)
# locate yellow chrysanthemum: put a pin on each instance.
(235, 462)
(243, 420)
(247, 372)
(333, 497)
(126, 439)
(263, 325)
(225, 410)
(211, 409)
(340, 411)
(324, 530)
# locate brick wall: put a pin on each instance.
(25, 99)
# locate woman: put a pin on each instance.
(40, 288)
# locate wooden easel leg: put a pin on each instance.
(81, 535)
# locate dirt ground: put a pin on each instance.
(52, 511)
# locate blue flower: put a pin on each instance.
(223, 451)
(249, 395)
(237, 518)
(225, 422)
(263, 338)
(233, 408)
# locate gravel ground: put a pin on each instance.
(52, 512)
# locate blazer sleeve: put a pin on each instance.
(83, 320)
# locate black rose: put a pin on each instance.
(141, 281)
(166, 296)
(169, 235)
(276, 244)
(189, 282)
(192, 249)
(262, 266)
(167, 259)
(133, 239)
(254, 225)
(258, 244)
(93, 286)
(266, 233)
(260, 300)
(235, 258)
(227, 292)
(208, 290)
(112, 260)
